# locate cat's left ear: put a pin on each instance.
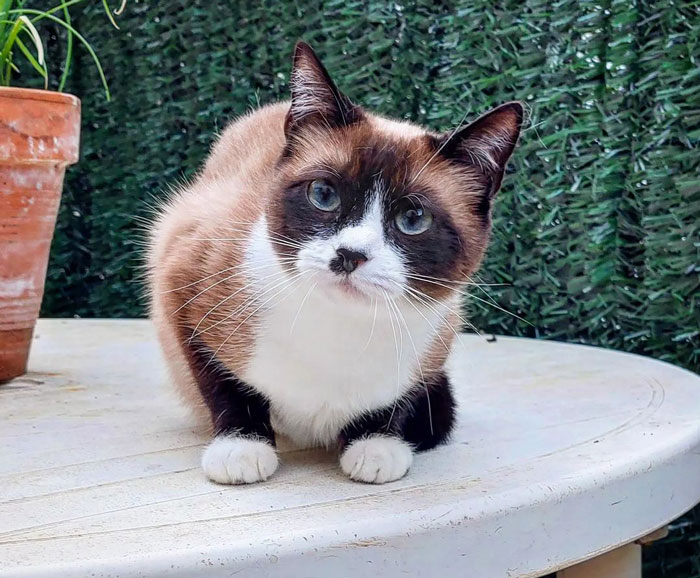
(315, 98)
(487, 143)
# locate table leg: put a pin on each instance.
(624, 562)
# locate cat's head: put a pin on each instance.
(377, 207)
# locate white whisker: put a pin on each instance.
(459, 283)
(420, 367)
(437, 333)
(200, 280)
(454, 312)
(251, 299)
(496, 306)
(439, 150)
(275, 233)
(422, 298)
(231, 296)
(268, 263)
(374, 322)
(238, 240)
(290, 283)
(219, 282)
(296, 317)
(399, 353)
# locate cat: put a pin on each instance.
(307, 282)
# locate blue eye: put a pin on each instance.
(323, 196)
(413, 220)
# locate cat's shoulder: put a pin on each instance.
(253, 141)
(257, 120)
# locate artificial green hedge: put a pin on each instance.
(596, 229)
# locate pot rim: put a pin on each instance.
(39, 95)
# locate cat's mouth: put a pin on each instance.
(349, 288)
(359, 288)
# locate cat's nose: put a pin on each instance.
(350, 260)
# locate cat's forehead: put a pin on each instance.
(394, 128)
(399, 155)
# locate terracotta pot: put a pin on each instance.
(39, 137)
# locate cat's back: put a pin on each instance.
(223, 200)
(250, 145)
(201, 231)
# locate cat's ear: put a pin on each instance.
(315, 98)
(487, 143)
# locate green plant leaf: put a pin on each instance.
(9, 64)
(69, 52)
(58, 8)
(6, 53)
(41, 69)
(14, 14)
(108, 12)
(5, 5)
(36, 39)
(39, 15)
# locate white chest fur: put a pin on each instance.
(321, 358)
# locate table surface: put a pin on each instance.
(562, 452)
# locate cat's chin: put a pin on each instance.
(338, 287)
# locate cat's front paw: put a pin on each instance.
(239, 460)
(377, 459)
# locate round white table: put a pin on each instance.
(562, 453)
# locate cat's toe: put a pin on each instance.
(377, 459)
(239, 460)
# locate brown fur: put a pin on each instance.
(198, 240)
(227, 192)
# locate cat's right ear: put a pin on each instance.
(487, 143)
(316, 101)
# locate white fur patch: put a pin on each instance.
(239, 460)
(324, 357)
(487, 148)
(384, 269)
(377, 459)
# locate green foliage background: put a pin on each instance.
(596, 229)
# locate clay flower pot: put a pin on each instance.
(39, 137)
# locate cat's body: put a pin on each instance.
(285, 305)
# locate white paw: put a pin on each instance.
(377, 459)
(239, 460)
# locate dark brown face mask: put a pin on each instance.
(435, 190)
